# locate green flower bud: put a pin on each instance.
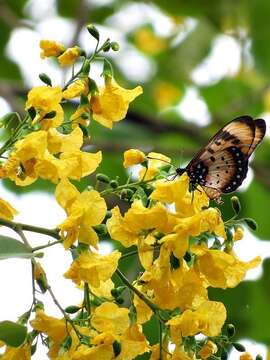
(175, 262)
(93, 31)
(103, 178)
(251, 223)
(38, 306)
(115, 46)
(85, 130)
(101, 229)
(116, 348)
(107, 69)
(187, 256)
(66, 344)
(50, 115)
(230, 330)
(84, 100)
(93, 88)
(236, 205)
(239, 347)
(117, 291)
(106, 47)
(114, 184)
(259, 357)
(32, 112)
(108, 214)
(96, 301)
(45, 78)
(126, 194)
(72, 309)
(119, 300)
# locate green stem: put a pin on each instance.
(160, 341)
(87, 300)
(135, 252)
(149, 303)
(47, 245)
(36, 229)
(138, 183)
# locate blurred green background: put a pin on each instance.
(201, 64)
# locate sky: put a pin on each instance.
(40, 208)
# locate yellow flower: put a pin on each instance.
(50, 48)
(104, 290)
(69, 56)
(170, 289)
(207, 220)
(133, 157)
(111, 104)
(133, 343)
(208, 319)
(246, 356)
(177, 192)
(14, 353)
(77, 117)
(58, 142)
(108, 317)
(238, 233)
(93, 268)
(7, 211)
(46, 99)
(220, 269)
(143, 311)
(84, 210)
(20, 167)
(101, 352)
(166, 94)
(154, 164)
(208, 349)
(149, 42)
(139, 226)
(55, 328)
(76, 89)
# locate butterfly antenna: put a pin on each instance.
(181, 156)
(152, 158)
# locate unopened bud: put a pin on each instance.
(251, 223)
(230, 330)
(72, 309)
(50, 115)
(46, 79)
(239, 347)
(236, 205)
(115, 46)
(103, 178)
(114, 184)
(93, 31)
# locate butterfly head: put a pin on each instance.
(180, 171)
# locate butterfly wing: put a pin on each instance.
(222, 165)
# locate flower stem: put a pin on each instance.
(149, 303)
(111, 191)
(36, 229)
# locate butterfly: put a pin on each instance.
(221, 166)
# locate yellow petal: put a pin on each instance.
(93, 268)
(66, 193)
(108, 317)
(133, 157)
(69, 56)
(133, 343)
(50, 48)
(7, 211)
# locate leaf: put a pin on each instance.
(11, 248)
(12, 334)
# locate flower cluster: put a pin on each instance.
(183, 245)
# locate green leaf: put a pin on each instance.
(12, 334)
(11, 248)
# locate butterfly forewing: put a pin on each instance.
(222, 165)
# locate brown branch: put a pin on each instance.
(81, 19)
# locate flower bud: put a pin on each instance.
(126, 194)
(40, 277)
(175, 262)
(93, 31)
(32, 112)
(230, 330)
(84, 100)
(117, 291)
(85, 130)
(103, 178)
(251, 223)
(258, 357)
(107, 69)
(72, 309)
(238, 233)
(108, 214)
(116, 348)
(101, 229)
(187, 256)
(38, 306)
(236, 205)
(239, 347)
(119, 300)
(106, 47)
(46, 79)
(50, 115)
(114, 184)
(115, 46)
